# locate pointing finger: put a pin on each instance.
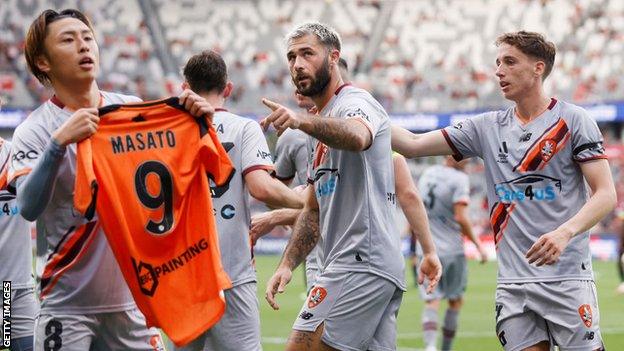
(270, 104)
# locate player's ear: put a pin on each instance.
(539, 68)
(43, 63)
(185, 85)
(334, 56)
(227, 91)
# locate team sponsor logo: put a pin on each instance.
(331, 178)
(317, 295)
(228, 211)
(589, 335)
(358, 113)
(21, 155)
(586, 314)
(264, 155)
(533, 187)
(148, 274)
(547, 149)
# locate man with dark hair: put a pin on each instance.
(350, 205)
(242, 138)
(538, 155)
(85, 302)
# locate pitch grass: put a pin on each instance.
(476, 322)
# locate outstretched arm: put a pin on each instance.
(549, 246)
(416, 215)
(413, 145)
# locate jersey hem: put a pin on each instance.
(587, 159)
(255, 168)
(87, 310)
(543, 280)
(339, 269)
(456, 154)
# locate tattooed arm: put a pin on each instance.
(346, 134)
(302, 241)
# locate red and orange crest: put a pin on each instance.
(547, 149)
(586, 314)
(317, 295)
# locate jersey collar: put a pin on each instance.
(55, 100)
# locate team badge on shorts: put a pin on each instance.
(547, 148)
(317, 295)
(586, 314)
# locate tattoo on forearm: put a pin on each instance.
(335, 133)
(303, 239)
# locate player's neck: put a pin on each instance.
(215, 100)
(531, 106)
(76, 97)
(321, 100)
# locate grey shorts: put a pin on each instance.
(124, 330)
(24, 308)
(565, 313)
(453, 282)
(359, 311)
(239, 327)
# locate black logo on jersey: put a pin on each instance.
(589, 335)
(218, 191)
(502, 339)
(20, 155)
(264, 155)
(503, 153)
(358, 113)
(459, 125)
(228, 211)
(525, 137)
(139, 118)
(305, 315)
(148, 280)
(219, 128)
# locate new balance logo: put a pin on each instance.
(589, 335)
(525, 137)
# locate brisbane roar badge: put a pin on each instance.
(586, 314)
(547, 149)
(317, 295)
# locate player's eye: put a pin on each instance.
(67, 40)
(88, 38)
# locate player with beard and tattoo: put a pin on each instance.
(348, 209)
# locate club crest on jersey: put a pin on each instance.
(586, 314)
(547, 149)
(317, 295)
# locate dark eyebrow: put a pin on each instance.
(73, 32)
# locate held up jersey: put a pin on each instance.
(247, 148)
(534, 183)
(76, 270)
(441, 187)
(356, 194)
(144, 172)
(15, 246)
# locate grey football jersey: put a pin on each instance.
(356, 195)
(76, 270)
(291, 157)
(534, 183)
(247, 148)
(15, 246)
(441, 187)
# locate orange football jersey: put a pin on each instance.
(145, 175)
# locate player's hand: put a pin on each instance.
(430, 268)
(81, 124)
(196, 105)
(261, 224)
(277, 284)
(281, 117)
(549, 247)
(483, 254)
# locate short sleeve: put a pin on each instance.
(5, 149)
(586, 139)
(464, 138)
(291, 157)
(255, 151)
(26, 148)
(360, 108)
(215, 159)
(461, 193)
